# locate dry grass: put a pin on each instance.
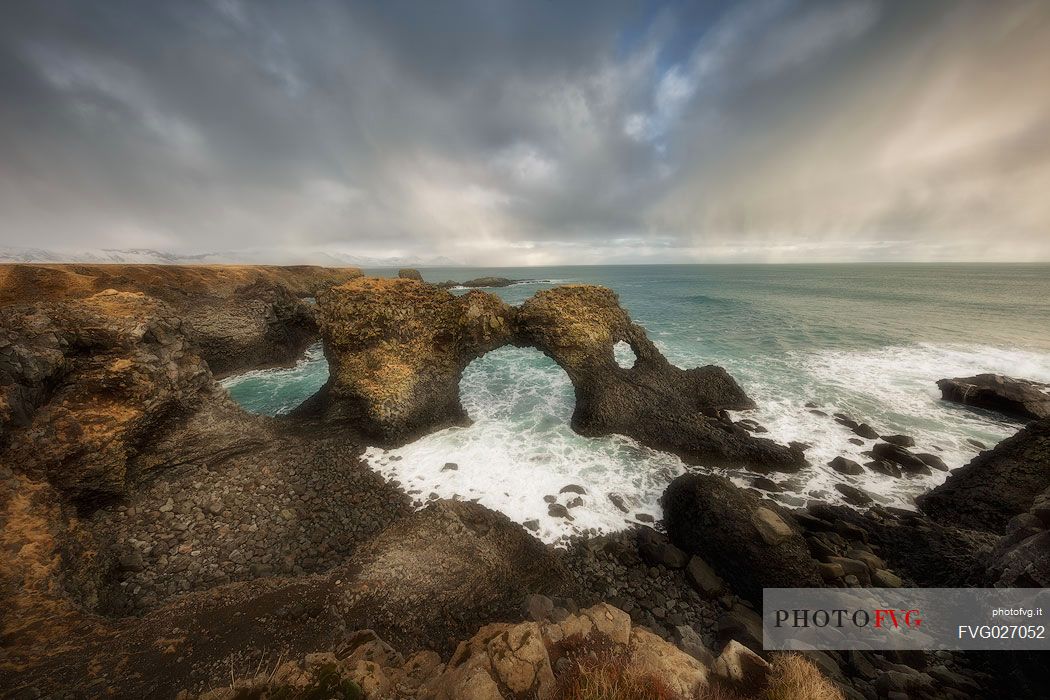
(608, 677)
(795, 678)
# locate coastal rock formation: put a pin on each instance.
(442, 572)
(654, 402)
(996, 485)
(749, 542)
(1021, 559)
(89, 389)
(397, 349)
(238, 316)
(425, 582)
(1013, 397)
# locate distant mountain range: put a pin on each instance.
(230, 257)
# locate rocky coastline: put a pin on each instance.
(158, 541)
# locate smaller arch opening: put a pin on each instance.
(624, 355)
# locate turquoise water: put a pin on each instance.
(868, 340)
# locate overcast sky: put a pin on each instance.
(533, 132)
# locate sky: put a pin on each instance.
(537, 132)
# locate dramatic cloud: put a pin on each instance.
(499, 132)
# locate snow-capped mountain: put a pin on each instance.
(257, 257)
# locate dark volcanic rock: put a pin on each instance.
(656, 403)
(932, 460)
(996, 485)
(1022, 557)
(854, 495)
(881, 466)
(900, 440)
(1013, 397)
(866, 431)
(929, 554)
(845, 466)
(900, 456)
(489, 282)
(746, 540)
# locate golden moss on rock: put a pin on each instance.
(398, 347)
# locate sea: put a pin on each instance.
(867, 340)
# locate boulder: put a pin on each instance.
(901, 440)
(1021, 559)
(900, 456)
(396, 351)
(845, 466)
(854, 495)
(1019, 398)
(996, 485)
(709, 517)
(704, 578)
(654, 402)
(655, 549)
(866, 431)
(442, 572)
(932, 460)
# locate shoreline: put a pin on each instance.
(208, 508)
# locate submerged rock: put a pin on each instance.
(1020, 398)
(996, 485)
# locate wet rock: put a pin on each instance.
(855, 441)
(845, 466)
(901, 440)
(766, 484)
(996, 485)
(450, 467)
(573, 488)
(710, 517)
(881, 466)
(617, 500)
(932, 460)
(854, 495)
(866, 431)
(843, 419)
(1013, 397)
(900, 456)
(557, 510)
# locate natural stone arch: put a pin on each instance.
(397, 349)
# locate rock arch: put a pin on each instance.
(397, 349)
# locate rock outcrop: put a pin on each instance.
(442, 572)
(1019, 398)
(1021, 559)
(654, 402)
(996, 485)
(90, 389)
(749, 542)
(238, 316)
(426, 582)
(397, 349)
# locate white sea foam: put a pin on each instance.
(521, 447)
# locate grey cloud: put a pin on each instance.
(515, 132)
